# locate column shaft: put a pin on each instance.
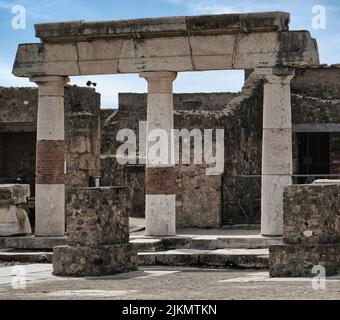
(50, 158)
(277, 158)
(160, 171)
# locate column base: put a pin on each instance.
(272, 204)
(50, 210)
(83, 261)
(160, 215)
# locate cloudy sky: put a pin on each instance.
(39, 11)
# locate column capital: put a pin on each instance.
(51, 85)
(159, 82)
(50, 80)
(277, 75)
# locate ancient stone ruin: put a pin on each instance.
(13, 216)
(98, 234)
(311, 232)
(280, 131)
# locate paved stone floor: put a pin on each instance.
(160, 283)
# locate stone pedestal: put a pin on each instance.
(311, 232)
(160, 200)
(50, 160)
(13, 217)
(98, 234)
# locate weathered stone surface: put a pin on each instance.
(195, 192)
(32, 242)
(98, 234)
(212, 42)
(18, 118)
(13, 217)
(93, 260)
(14, 193)
(155, 27)
(311, 232)
(14, 221)
(97, 216)
(322, 82)
(311, 214)
(299, 260)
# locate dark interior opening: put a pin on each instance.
(314, 158)
(17, 154)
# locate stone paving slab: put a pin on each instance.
(166, 283)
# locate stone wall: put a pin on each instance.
(196, 192)
(320, 82)
(243, 153)
(316, 108)
(18, 114)
(131, 176)
(241, 117)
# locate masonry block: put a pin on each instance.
(98, 234)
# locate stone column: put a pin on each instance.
(50, 158)
(277, 158)
(160, 173)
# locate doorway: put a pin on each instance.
(313, 153)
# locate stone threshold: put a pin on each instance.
(223, 258)
(230, 258)
(152, 244)
(203, 242)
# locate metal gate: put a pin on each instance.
(241, 198)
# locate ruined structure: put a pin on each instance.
(98, 234)
(18, 131)
(13, 216)
(311, 233)
(157, 49)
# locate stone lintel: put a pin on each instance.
(163, 27)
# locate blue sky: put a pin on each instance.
(39, 11)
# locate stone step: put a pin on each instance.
(221, 258)
(147, 245)
(26, 257)
(143, 244)
(32, 242)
